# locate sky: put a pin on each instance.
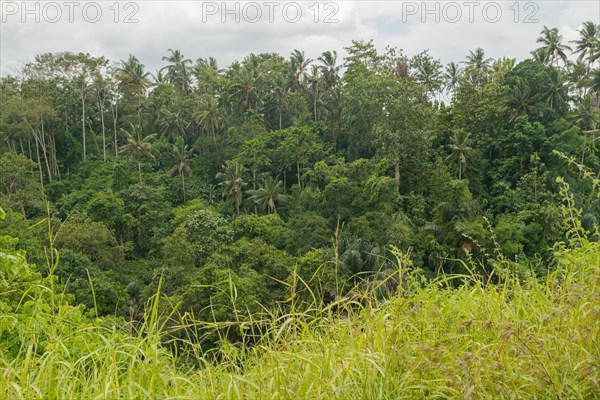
(230, 30)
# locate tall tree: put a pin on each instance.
(210, 116)
(588, 44)
(138, 146)
(232, 182)
(460, 147)
(269, 192)
(134, 81)
(183, 156)
(329, 68)
(551, 42)
(178, 70)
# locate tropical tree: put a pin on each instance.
(427, 71)
(460, 147)
(134, 81)
(298, 64)
(315, 81)
(269, 192)
(329, 69)
(477, 66)
(137, 145)
(477, 61)
(232, 182)
(183, 156)
(551, 42)
(210, 116)
(178, 70)
(557, 93)
(588, 44)
(452, 76)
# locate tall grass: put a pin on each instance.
(480, 340)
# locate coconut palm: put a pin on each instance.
(298, 65)
(557, 93)
(137, 145)
(542, 56)
(183, 156)
(477, 61)
(178, 71)
(520, 99)
(210, 116)
(269, 192)
(131, 75)
(588, 44)
(315, 80)
(452, 76)
(595, 84)
(232, 182)
(172, 124)
(551, 42)
(460, 148)
(329, 68)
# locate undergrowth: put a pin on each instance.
(460, 336)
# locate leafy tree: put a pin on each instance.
(232, 182)
(177, 72)
(269, 192)
(460, 147)
(551, 44)
(138, 146)
(182, 155)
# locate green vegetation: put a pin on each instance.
(296, 228)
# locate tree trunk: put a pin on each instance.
(114, 113)
(140, 170)
(397, 176)
(103, 129)
(37, 151)
(315, 103)
(83, 120)
(183, 185)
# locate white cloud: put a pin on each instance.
(187, 26)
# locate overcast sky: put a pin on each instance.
(205, 28)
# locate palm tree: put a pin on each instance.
(329, 69)
(315, 80)
(588, 44)
(171, 123)
(595, 87)
(298, 65)
(541, 55)
(477, 61)
(269, 192)
(477, 66)
(584, 115)
(520, 99)
(452, 76)
(551, 43)
(460, 148)
(210, 116)
(182, 155)
(178, 71)
(557, 90)
(133, 80)
(245, 89)
(280, 96)
(232, 182)
(138, 146)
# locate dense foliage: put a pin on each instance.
(229, 186)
